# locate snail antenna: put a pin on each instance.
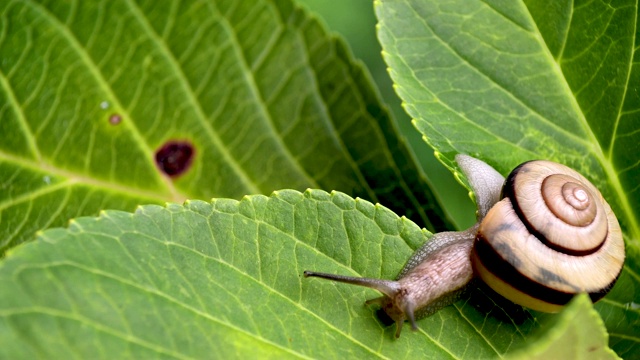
(409, 312)
(387, 287)
(399, 324)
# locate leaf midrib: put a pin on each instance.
(617, 185)
(73, 178)
(22, 121)
(497, 84)
(599, 153)
(596, 150)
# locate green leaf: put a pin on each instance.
(577, 333)
(224, 280)
(511, 81)
(620, 309)
(360, 33)
(90, 91)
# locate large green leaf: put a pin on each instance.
(206, 280)
(508, 81)
(90, 90)
(360, 33)
(511, 80)
(224, 280)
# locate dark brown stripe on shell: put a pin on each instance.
(509, 191)
(597, 295)
(497, 265)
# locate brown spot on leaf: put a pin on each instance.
(174, 157)
(115, 119)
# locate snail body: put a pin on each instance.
(542, 236)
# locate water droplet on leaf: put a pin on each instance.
(104, 105)
(174, 157)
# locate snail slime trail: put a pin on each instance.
(536, 252)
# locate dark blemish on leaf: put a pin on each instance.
(115, 119)
(174, 157)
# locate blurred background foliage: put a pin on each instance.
(355, 21)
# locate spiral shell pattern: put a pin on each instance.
(552, 235)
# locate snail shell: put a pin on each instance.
(569, 242)
(551, 237)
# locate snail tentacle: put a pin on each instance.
(484, 180)
(487, 184)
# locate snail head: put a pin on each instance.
(396, 301)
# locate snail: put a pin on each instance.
(543, 235)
